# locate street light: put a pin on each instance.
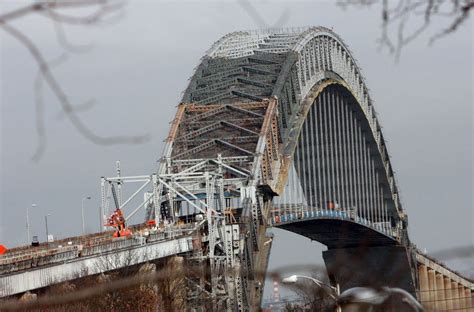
(82, 209)
(28, 223)
(46, 224)
(335, 295)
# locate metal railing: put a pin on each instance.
(283, 213)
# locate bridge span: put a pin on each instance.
(276, 128)
(29, 269)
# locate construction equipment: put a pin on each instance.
(117, 220)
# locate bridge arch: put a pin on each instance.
(302, 67)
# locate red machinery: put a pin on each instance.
(117, 220)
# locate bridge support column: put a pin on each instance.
(468, 299)
(448, 293)
(440, 292)
(389, 266)
(472, 299)
(424, 283)
(462, 301)
(432, 289)
(454, 287)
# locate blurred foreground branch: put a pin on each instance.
(163, 284)
(102, 12)
(403, 21)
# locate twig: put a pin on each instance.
(47, 5)
(466, 9)
(405, 9)
(259, 19)
(63, 98)
(40, 126)
(50, 9)
(64, 42)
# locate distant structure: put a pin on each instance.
(276, 128)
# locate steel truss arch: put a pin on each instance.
(294, 65)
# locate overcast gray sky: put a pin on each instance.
(138, 69)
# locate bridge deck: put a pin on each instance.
(27, 268)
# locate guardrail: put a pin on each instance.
(287, 213)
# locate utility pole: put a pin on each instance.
(28, 237)
(46, 224)
(82, 210)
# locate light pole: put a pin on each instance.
(82, 209)
(28, 237)
(46, 224)
(336, 292)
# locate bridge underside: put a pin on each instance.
(336, 233)
(357, 255)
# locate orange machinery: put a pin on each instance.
(117, 220)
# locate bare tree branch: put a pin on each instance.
(63, 98)
(48, 5)
(40, 125)
(103, 12)
(98, 16)
(466, 9)
(64, 42)
(79, 108)
(405, 13)
(259, 19)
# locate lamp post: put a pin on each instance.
(46, 225)
(82, 210)
(336, 292)
(28, 237)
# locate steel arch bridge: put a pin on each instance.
(276, 129)
(333, 152)
(289, 111)
(330, 168)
